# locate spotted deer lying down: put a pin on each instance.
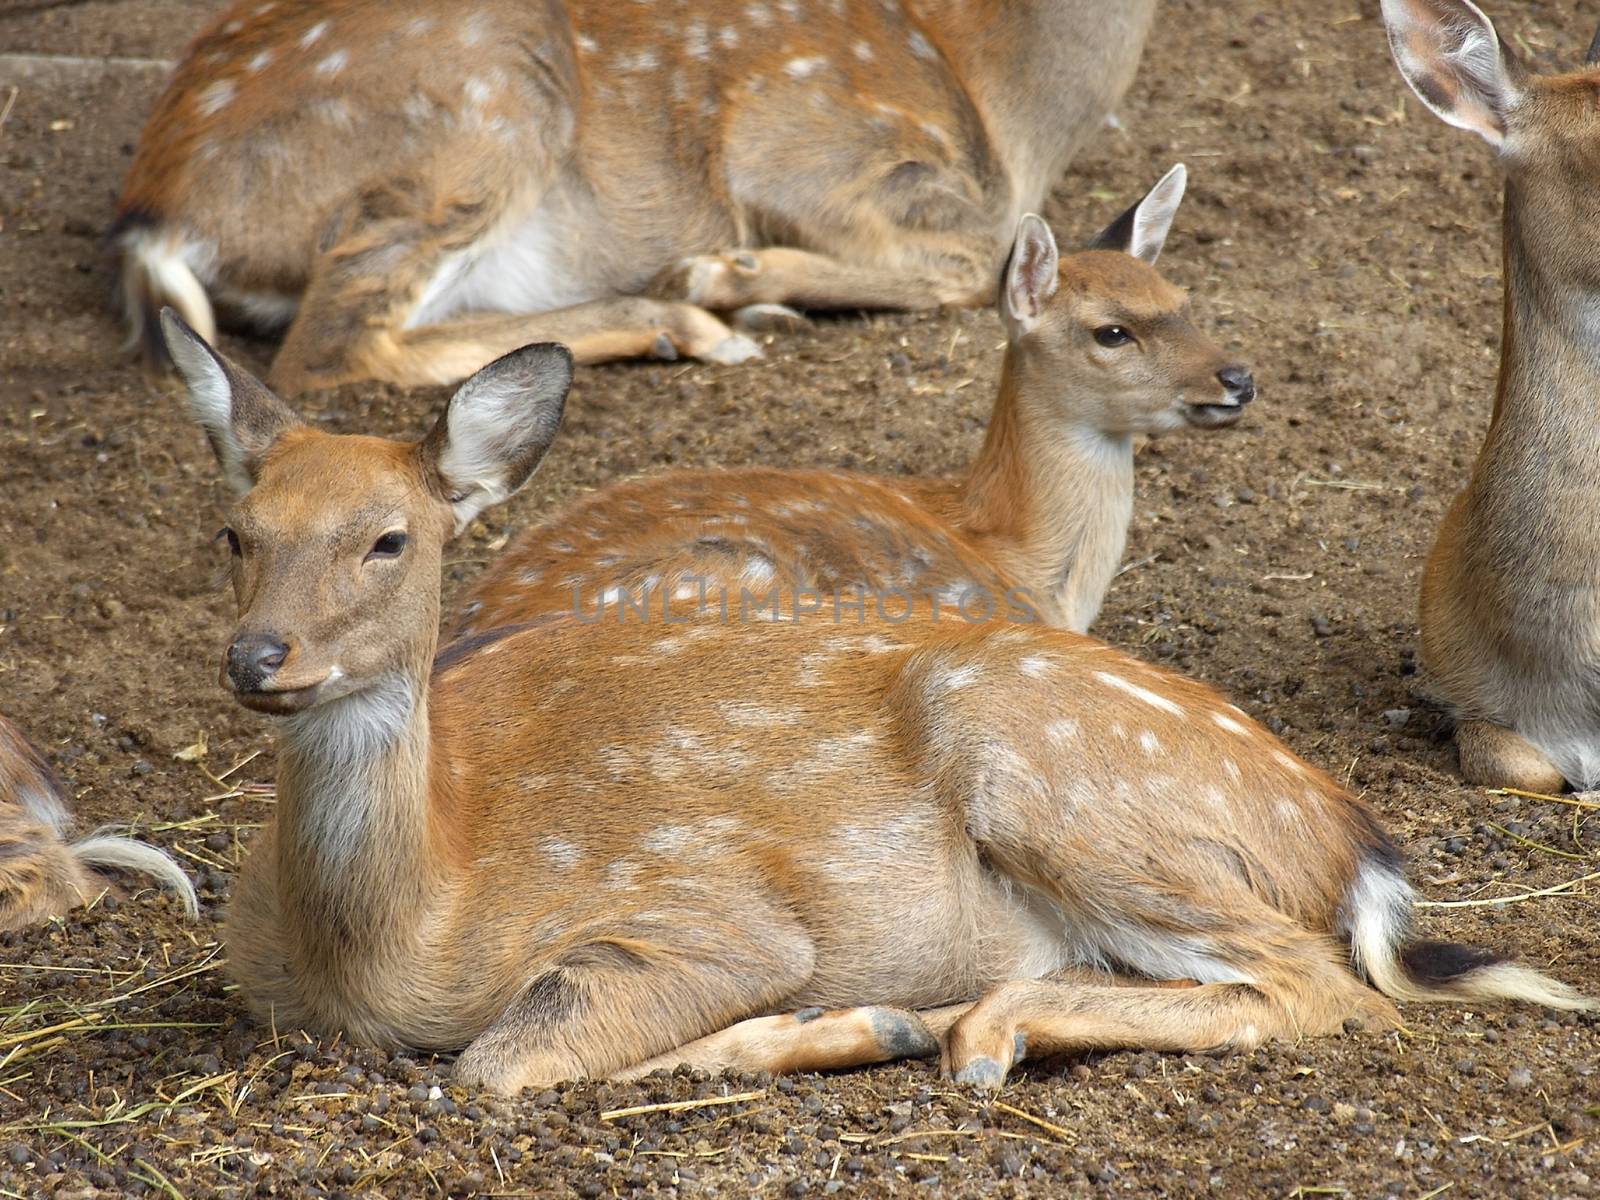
(1511, 594)
(1100, 348)
(416, 187)
(597, 850)
(43, 876)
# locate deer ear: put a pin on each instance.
(241, 416)
(497, 427)
(1031, 276)
(1142, 230)
(1454, 61)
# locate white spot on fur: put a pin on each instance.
(312, 35)
(1231, 770)
(620, 875)
(259, 61)
(1035, 667)
(1149, 743)
(1138, 693)
(333, 64)
(641, 60)
(587, 44)
(920, 46)
(1064, 730)
(804, 68)
(216, 97)
(562, 854)
(863, 51)
(1223, 721)
(948, 679)
(1288, 760)
(749, 715)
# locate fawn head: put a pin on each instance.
(1545, 128)
(1111, 332)
(337, 540)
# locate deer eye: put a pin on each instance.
(388, 546)
(233, 542)
(1112, 335)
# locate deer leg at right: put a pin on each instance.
(1499, 757)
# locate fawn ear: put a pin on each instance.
(1454, 61)
(1031, 277)
(1142, 230)
(497, 427)
(1592, 59)
(241, 416)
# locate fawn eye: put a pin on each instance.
(1112, 335)
(233, 542)
(388, 546)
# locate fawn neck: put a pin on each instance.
(1049, 499)
(360, 848)
(1548, 395)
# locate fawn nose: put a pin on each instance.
(1238, 384)
(252, 659)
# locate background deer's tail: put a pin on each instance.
(156, 268)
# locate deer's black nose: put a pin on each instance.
(252, 658)
(1236, 381)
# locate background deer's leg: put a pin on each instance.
(392, 252)
(782, 275)
(1492, 754)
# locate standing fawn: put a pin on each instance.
(1100, 348)
(598, 850)
(415, 188)
(41, 876)
(1511, 594)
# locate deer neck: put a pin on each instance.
(1548, 396)
(1050, 499)
(360, 868)
(1014, 56)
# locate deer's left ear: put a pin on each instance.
(1142, 230)
(497, 427)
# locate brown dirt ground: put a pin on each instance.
(1336, 235)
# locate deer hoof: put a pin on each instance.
(770, 318)
(735, 348)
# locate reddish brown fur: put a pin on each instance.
(1035, 531)
(863, 154)
(591, 850)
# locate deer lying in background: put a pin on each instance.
(415, 188)
(597, 850)
(42, 876)
(1100, 348)
(1511, 594)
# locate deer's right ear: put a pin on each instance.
(497, 427)
(1142, 230)
(241, 416)
(1031, 278)
(1454, 61)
